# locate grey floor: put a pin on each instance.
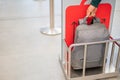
(25, 53)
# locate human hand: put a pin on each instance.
(91, 11)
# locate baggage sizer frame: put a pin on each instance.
(66, 64)
(72, 14)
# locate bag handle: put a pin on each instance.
(86, 19)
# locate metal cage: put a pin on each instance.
(111, 48)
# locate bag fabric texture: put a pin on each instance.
(95, 53)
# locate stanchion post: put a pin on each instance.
(51, 30)
(51, 14)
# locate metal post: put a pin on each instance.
(52, 30)
(69, 62)
(117, 59)
(84, 63)
(105, 57)
(112, 55)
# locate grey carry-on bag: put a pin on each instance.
(95, 53)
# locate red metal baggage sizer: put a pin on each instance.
(76, 12)
(72, 15)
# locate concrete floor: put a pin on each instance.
(25, 53)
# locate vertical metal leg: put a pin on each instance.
(105, 56)
(111, 57)
(116, 67)
(69, 63)
(85, 57)
(65, 61)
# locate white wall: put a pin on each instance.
(116, 21)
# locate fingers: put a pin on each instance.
(88, 13)
(94, 12)
(91, 11)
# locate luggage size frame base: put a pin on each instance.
(66, 65)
